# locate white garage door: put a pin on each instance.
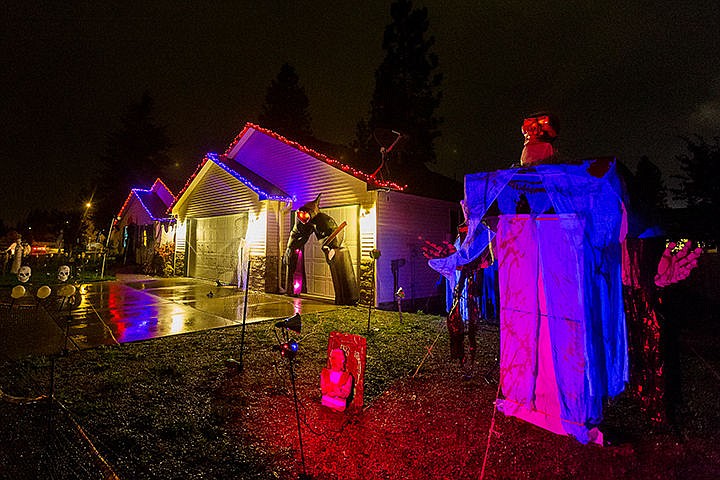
(214, 247)
(317, 271)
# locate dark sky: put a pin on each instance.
(625, 79)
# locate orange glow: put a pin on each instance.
(303, 216)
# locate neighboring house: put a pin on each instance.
(239, 207)
(143, 224)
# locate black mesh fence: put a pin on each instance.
(39, 438)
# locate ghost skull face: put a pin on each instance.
(63, 273)
(24, 273)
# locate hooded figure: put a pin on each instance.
(310, 220)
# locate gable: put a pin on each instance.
(135, 213)
(300, 171)
(214, 192)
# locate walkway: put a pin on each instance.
(137, 308)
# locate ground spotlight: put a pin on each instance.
(293, 323)
(288, 349)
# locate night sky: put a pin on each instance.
(625, 80)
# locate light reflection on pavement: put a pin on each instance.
(144, 308)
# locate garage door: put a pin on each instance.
(214, 243)
(317, 271)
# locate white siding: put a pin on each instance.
(214, 193)
(300, 174)
(404, 222)
(276, 230)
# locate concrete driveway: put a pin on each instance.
(137, 308)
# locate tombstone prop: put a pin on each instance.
(354, 348)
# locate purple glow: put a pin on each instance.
(297, 276)
(152, 217)
(261, 193)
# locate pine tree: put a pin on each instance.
(649, 183)
(285, 110)
(700, 182)
(407, 89)
(135, 156)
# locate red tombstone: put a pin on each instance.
(355, 348)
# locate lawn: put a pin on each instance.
(174, 408)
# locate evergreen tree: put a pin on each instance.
(135, 156)
(700, 182)
(651, 189)
(285, 110)
(407, 90)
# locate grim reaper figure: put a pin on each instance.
(310, 220)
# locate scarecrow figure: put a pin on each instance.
(16, 251)
(310, 220)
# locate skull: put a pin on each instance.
(541, 127)
(24, 274)
(63, 273)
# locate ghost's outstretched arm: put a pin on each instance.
(677, 267)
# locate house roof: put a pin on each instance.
(153, 201)
(283, 143)
(266, 145)
(263, 188)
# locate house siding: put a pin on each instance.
(217, 193)
(275, 230)
(300, 174)
(404, 223)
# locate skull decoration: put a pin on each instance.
(63, 273)
(540, 131)
(541, 127)
(24, 274)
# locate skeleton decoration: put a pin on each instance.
(24, 274)
(309, 220)
(63, 274)
(473, 285)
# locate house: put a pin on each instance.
(238, 209)
(143, 225)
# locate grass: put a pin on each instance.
(174, 408)
(178, 394)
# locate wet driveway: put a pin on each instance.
(137, 308)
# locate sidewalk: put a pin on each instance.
(134, 308)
